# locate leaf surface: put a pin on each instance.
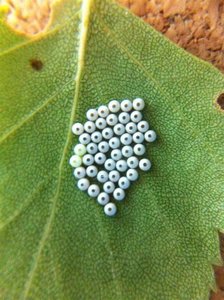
(56, 242)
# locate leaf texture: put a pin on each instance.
(55, 241)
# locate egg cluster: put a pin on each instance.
(110, 149)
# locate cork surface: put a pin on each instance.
(30, 16)
(197, 26)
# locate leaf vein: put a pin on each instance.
(32, 114)
(27, 202)
(80, 64)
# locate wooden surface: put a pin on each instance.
(195, 25)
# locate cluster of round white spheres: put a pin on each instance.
(110, 144)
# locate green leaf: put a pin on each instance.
(56, 243)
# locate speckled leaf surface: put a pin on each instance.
(56, 243)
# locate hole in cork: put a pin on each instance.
(220, 101)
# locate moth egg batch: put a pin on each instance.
(110, 151)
